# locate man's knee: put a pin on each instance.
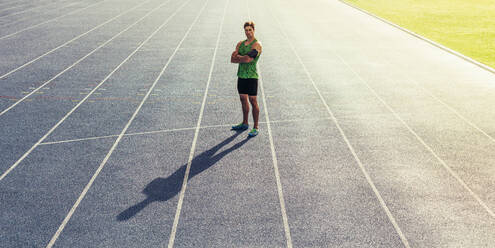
(244, 98)
(252, 100)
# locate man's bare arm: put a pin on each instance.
(236, 58)
(247, 58)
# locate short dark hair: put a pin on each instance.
(249, 23)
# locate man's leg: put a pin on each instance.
(245, 108)
(256, 110)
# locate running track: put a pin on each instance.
(116, 119)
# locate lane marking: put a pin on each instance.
(90, 183)
(85, 98)
(50, 20)
(276, 170)
(30, 9)
(442, 162)
(81, 59)
(75, 140)
(280, 191)
(452, 109)
(351, 148)
(75, 38)
(173, 130)
(41, 16)
(116, 135)
(196, 134)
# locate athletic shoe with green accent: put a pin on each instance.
(240, 126)
(253, 132)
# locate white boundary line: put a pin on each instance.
(280, 191)
(85, 98)
(170, 130)
(76, 140)
(26, 10)
(50, 20)
(453, 110)
(486, 67)
(81, 59)
(40, 16)
(196, 134)
(351, 148)
(77, 37)
(102, 164)
(397, 116)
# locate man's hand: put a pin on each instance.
(236, 58)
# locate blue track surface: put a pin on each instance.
(116, 120)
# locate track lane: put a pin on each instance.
(432, 204)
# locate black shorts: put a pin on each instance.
(247, 86)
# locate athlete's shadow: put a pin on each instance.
(162, 189)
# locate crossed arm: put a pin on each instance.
(236, 58)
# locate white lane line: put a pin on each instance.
(351, 148)
(81, 59)
(276, 170)
(77, 37)
(76, 140)
(116, 135)
(90, 183)
(196, 133)
(30, 9)
(281, 199)
(39, 16)
(50, 20)
(19, 6)
(161, 131)
(452, 173)
(85, 98)
(171, 130)
(300, 120)
(452, 109)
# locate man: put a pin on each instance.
(246, 54)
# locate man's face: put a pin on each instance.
(249, 31)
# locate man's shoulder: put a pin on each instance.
(257, 45)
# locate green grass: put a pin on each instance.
(465, 26)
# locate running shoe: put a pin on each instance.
(240, 126)
(253, 132)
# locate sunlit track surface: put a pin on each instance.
(41, 15)
(370, 137)
(43, 6)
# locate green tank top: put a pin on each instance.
(247, 70)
